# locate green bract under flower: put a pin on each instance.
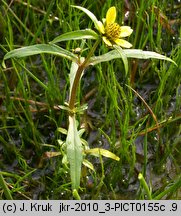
(112, 32)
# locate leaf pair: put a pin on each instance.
(56, 50)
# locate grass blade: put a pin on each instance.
(145, 186)
(5, 188)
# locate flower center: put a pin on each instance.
(112, 31)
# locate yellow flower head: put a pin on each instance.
(112, 32)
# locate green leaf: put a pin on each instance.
(173, 186)
(62, 130)
(145, 186)
(130, 53)
(97, 151)
(38, 49)
(90, 14)
(140, 54)
(88, 164)
(76, 195)
(74, 152)
(123, 56)
(76, 35)
(5, 188)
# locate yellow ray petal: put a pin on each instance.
(125, 31)
(101, 27)
(123, 43)
(111, 15)
(106, 41)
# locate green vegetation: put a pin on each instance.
(128, 106)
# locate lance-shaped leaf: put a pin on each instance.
(88, 164)
(97, 151)
(130, 53)
(39, 49)
(90, 14)
(76, 35)
(74, 152)
(123, 56)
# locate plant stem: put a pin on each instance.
(79, 72)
